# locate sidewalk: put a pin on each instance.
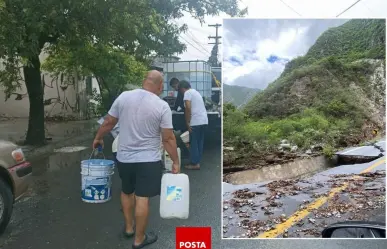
(61, 133)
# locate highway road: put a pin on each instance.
(301, 208)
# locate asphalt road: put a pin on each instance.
(367, 150)
(302, 208)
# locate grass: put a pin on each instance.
(307, 128)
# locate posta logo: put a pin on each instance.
(193, 237)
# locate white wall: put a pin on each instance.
(64, 96)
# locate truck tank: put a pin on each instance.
(197, 73)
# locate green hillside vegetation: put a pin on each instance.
(238, 95)
(325, 97)
(354, 40)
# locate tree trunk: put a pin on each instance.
(107, 101)
(36, 132)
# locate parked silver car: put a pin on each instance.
(15, 174)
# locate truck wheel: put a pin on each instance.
(6, 205)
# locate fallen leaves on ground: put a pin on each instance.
(363, 193)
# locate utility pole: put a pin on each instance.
(214, 52)
(216, 37)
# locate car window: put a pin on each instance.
(379, 233)
(352, 232)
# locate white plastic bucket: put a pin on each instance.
(185, 137)
(96, 180)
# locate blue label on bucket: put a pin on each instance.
(97, 189)
(96, 193)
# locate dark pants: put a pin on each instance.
(196, 143)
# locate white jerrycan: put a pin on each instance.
(168, 161)
(174, 198)
(115, 145)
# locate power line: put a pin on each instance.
(350, 7)
(201, 51)
(198, 30)
(197, 42)
(287, 5)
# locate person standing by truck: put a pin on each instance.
(142, 116)
(179, 103)
(196, 121)
(174, 83)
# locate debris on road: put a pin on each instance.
(362, 193)
(246, 194)
(376, 174)
(281, 184)
(310, 231)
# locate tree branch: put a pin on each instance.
(44, 38)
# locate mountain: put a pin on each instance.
(331, 98)
(356, 39)
(342, 75)
(238, 95)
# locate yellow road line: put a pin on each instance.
(301, 214)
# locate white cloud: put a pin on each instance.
(275, 9)
(277, 42)
(288, 38)
(234, 72)
(285, 45)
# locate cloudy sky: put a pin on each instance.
(197, 40)
(255, 51)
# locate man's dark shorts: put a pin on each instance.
(143, 179)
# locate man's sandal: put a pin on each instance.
(150, 238)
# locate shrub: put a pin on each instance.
(329, 151)
(303, 129)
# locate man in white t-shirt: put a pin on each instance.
(196, 121)
(144, 121)
(174, 83)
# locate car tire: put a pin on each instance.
(7, 197)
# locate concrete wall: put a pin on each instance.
(297, 168)
(64, 96)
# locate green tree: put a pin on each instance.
(228, 108)
(113, 68)
(213, 60)
(140, 28)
